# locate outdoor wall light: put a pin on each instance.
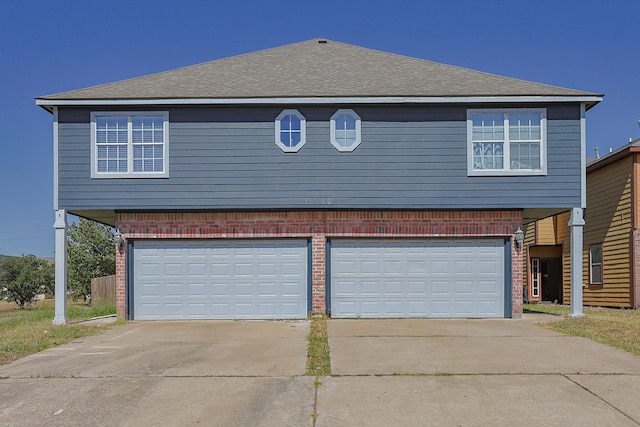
(519, 236)
(118, 240)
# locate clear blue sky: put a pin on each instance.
(53, 46)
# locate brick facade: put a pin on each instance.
(319, 226)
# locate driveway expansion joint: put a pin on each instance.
(134, 377)
(462, 374)
(605, 401)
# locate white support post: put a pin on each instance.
(576, 223)
(60, 226)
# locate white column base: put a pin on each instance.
(60, 226)
(576, 223)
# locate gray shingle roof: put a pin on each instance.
(316, 68)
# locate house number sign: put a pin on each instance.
(317, 201)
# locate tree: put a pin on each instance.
(25, 277)
(90, 254)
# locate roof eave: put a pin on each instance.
(612, 157)
(589, 100)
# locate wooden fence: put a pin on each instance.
(103, 290)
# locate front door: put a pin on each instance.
(551, 286)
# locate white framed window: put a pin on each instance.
(129, 144)
(595, 264)
(507, 142)
(535, 278)
(345, 130)
(291, 133)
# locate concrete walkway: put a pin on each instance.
(385, 372)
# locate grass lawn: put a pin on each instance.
(28, 331)
(618, 328)
(318, 362)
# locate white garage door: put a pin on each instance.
(232, 279)
(417, 278)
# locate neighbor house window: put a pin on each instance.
(595, 264)
(535, 278)
(345, 130)
(506, 142)
(290, 130)
(129, 144)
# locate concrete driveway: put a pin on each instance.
(500, 372)
(175, 373)
(385, 372)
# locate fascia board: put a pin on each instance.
(320, 100)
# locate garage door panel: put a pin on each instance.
(370, 288)
(196, 270)
(173, 270)
(289, 290)
(197, 309)
(466, 288)
(221, 269)
(220, 311)
(417, 266)
(416, 308)
(243, 290)
(290, 310)
(394, 308)
(488, 287)
(267, 269)
(267, 290)
(464, 267)
(244, 269)
(487, 306)
(417, 278)
(176, 290)
(194, 290)
(220, 289)
(394, 288)
(245, 310)
(440, 267)
(149, 269)
(266, 309)
(487, 267)
(440, 308)
(371, 268)
(266, 279)
(440, 287)
(370, 308)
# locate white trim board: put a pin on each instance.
(319, 100)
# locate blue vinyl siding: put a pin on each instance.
(411, 157)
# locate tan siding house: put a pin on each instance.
(611, 272)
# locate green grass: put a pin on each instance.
(84, 311)
(558, 310)
(30, 330)
(617, 328)
(318, 362)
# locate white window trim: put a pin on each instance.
(506, 171)
(130, 173)
(535, 278)
(333, 130)
(600, 281)
(303, 130)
